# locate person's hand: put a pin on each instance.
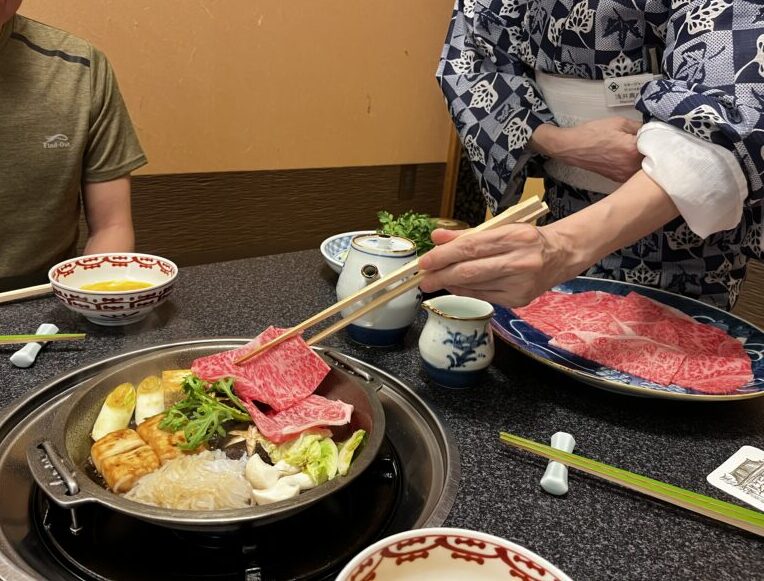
(510, 265)
(605, 146)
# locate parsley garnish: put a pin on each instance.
(416, 227)
(202, 413)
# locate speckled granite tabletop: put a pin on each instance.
(596, 531)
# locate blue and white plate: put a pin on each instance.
(534, 343)
(334, 249)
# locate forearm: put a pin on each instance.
(636, 209)
(549, 140)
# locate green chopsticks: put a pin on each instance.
(732, 514)
(12, 339)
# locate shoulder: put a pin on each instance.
(54, 42)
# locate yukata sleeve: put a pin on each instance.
(710, 105)
(490, 90)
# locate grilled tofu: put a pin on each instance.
(172, 380)
(164, 443)
(113, 444)
(122, 471)
(122, 457)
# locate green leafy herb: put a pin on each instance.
(416, 227)
(202, 413)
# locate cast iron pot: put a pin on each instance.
(59, 458)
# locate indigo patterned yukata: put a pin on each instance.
(713, 87)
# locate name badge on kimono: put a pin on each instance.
(621, 91)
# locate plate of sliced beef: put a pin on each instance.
(638, 340)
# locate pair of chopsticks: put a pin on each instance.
(14, 339)
(25, 293)
(732, 514)
(526, 211)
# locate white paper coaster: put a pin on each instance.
(742, 476)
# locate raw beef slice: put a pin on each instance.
(714, 373)
(636, 355)
(280, 377)
(554, 311)
(643, 337)
(313, 411)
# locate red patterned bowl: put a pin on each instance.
(448, 554)
(113, 307)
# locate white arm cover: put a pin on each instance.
(704, 180)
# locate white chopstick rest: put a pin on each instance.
(555, 479)
(25, 356)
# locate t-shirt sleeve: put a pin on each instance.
(113, 149)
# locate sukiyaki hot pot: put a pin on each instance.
(62, 461)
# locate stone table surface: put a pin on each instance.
(596, 531)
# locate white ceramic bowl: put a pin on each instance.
(445, 554)
(334, 249)
(113, 308)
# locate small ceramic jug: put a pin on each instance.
(456, 343)
(370, 257)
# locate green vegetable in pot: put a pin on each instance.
(416, 227)
(324, 465)
(347, 449)
(299, 452)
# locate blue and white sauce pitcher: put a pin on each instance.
(370, 257)
(456, 343)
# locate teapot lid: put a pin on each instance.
(384, 245)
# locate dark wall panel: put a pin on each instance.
(206, 217)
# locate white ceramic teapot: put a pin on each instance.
(456, 343)
(370, 257)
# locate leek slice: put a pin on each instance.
(149, 398)
(116, 411)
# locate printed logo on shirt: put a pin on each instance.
(56, 141)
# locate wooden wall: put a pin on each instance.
(207, 217)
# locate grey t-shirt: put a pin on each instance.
(62, 123)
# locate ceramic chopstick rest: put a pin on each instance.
(555, 479)
(25, 356)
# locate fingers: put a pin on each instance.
(480, 245)
(441, 235)
(462, 274)
(494, 273)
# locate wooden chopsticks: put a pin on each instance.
(25, 293)
(526, 211)
(732, 514)
(14, 339)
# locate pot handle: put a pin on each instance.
(52, 474)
